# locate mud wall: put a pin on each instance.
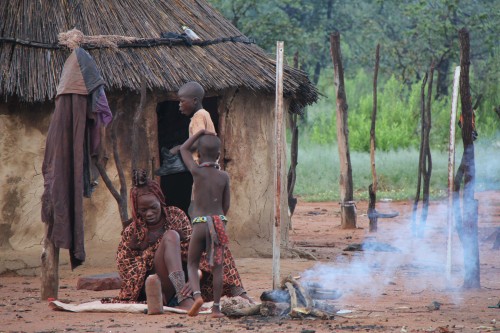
(249, 154)
(249, 151)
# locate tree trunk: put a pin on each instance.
(121, 196)
(348, 209)
(470, 205)
(443, 68)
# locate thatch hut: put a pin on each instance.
(238, 76)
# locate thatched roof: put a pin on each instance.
(31, 72)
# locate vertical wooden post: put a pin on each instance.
(470, 205)
(451, 169)
(294, 154)
(426, 159)
(50, 267)
(372, 190)
(347, 209)
(278, 123)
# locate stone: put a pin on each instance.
(107, 281)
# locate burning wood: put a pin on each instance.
(295, 300)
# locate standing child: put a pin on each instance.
(211, 203)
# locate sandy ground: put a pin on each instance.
(382, 291)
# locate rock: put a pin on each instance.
(107, 281)
(271, 309)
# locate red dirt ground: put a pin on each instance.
(385, 291)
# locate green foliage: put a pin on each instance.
(398, 115)
(411, 33)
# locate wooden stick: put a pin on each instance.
(451, 169)
(277, 181)
(50, 268)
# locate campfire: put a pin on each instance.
(293, 299)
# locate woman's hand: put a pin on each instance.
(186, 290)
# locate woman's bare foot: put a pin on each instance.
(195, 309)
(186, 304)
(216, 313)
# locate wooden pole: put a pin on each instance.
(372, 190)
(278, 123)
(470, 205)
(294, 154)
(50, 267)
(451, 169)
(420, 157)
(427, 159)
(347, 208)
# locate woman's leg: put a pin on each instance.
(168, 266)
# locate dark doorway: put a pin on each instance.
(173, 130)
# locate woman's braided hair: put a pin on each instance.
(141, 185)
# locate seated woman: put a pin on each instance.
(157, 241)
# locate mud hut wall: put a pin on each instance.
(23, 131)
(249, 146)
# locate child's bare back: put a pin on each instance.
(211, 190)
(211, 203)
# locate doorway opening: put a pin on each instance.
(173, 130)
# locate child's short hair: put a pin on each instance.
(193, 89)
(209, 146)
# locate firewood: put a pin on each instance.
(302, 294)
(301, 312)
(293, 295)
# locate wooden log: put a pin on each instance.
(49, 267)
(347, 206)
(293, 295)
(277, 180)
(451, 170)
